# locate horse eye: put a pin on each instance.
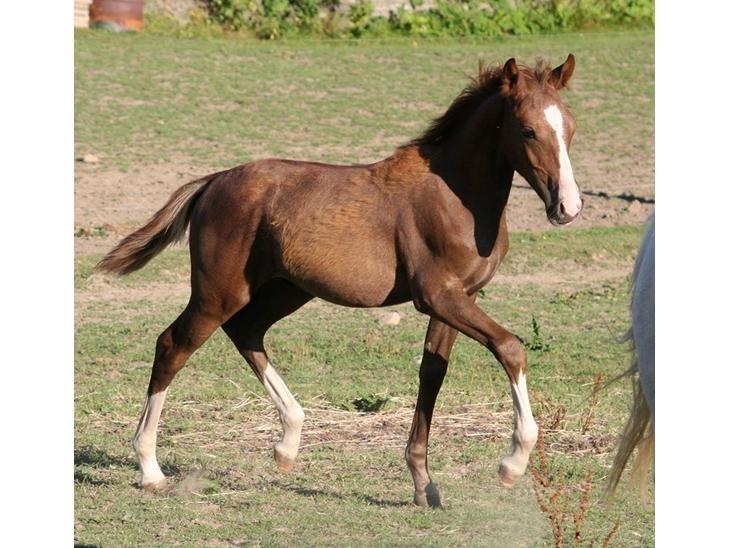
(528, 133)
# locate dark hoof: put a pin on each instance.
(429, 498)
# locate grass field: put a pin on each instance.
(141, 99)
(156, 110)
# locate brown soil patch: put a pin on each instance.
(120, 201)
(613, 207)
(110, 203)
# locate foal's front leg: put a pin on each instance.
(451, 305)
(436, 350)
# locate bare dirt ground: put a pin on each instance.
(110, 203)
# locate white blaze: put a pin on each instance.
(568, 193)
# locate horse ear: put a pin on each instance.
(510, 73)
(560, 76)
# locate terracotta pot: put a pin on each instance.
(117, 14)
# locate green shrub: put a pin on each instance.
(360, 15)
(233, 14)
(459, 18)
(198, 25)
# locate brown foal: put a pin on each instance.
(426, 225)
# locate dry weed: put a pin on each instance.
(589, 414)
(556, 498)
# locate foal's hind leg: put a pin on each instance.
(272, 302)
(436, 351)
(174, 346)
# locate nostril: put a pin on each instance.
(562, 209)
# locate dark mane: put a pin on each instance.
(487, 82)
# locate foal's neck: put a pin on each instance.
(471, 164)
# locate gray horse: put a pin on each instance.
(639, 429)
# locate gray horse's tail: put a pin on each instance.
(639, 429)
(638, 432)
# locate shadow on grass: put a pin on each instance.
(626, 196)
(83, 477)
(100, 459)
(310, 493)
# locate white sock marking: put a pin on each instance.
(145, 440)
(290, 413)
(568, 192)
(525, 433)
(525, 425)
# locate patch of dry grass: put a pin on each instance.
(251, 423)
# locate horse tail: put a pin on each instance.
(639, 429)
(638, 432)
(166, 227)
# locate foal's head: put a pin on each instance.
(537, 129)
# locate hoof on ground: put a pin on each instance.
(284, 463)
(430, 497)
(419, 499)
(508, 474)
(154, 486)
